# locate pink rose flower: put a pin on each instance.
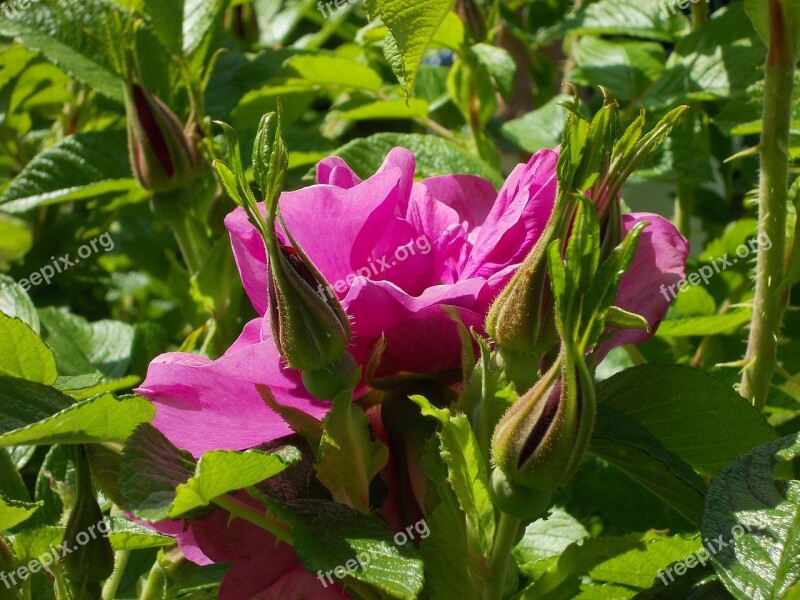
(394, 251)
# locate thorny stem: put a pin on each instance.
(771, 297)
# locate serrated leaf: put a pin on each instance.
(435, 156)
(412, 26)
(14, 302)
(706, 64)
(58, 29)
(697, 417)
(634, 18)
(100, 419)
(159, 481)
(349, 456)
(625, 68)
(150, 470)
(222, 471)
(468, 476)
(186, 27)
(14, 512)
(23, 354)
(755, 511)
(561, 577)
(79, 167)
(122, 533)
(327, 535)
(83, 348)
(548, 537)
(446, 550)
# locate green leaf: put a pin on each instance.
(159, 481)
(468, 476)
(350, 456)
(635, 18)
(435, 156)
(222, 471)
(14, 302)
(450, 572)
(79, 167)
(186, 27)
(541, 128)
(727, 323)
(392, 109)
(100, 419)
(500, 65)
(23, 403)
(151, 469)
(695, 416)
(752, 521)
(23, 354)
(51, 484)
(122, 533)
(330, 537)
(545, 538)
(58, 29)
(333, 71)
(15, 239)
(14, 512)
(82, 348)
(412, 26)
(625, 68)
(706, 64)
(622, 442)
(633, 560)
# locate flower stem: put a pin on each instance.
(699, 14)
(771, 298)
(505, 538)
(191, 241)
(156, 583)
(265, 521)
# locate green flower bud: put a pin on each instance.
(310, 329)
(163, 156)
(540, 441)
(92, 558)
(522, 319)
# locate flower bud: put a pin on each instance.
(539, 442)
(162, 155)
(91, 560)
(310, 329)
(521, 321)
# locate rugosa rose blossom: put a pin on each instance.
(395, 252)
